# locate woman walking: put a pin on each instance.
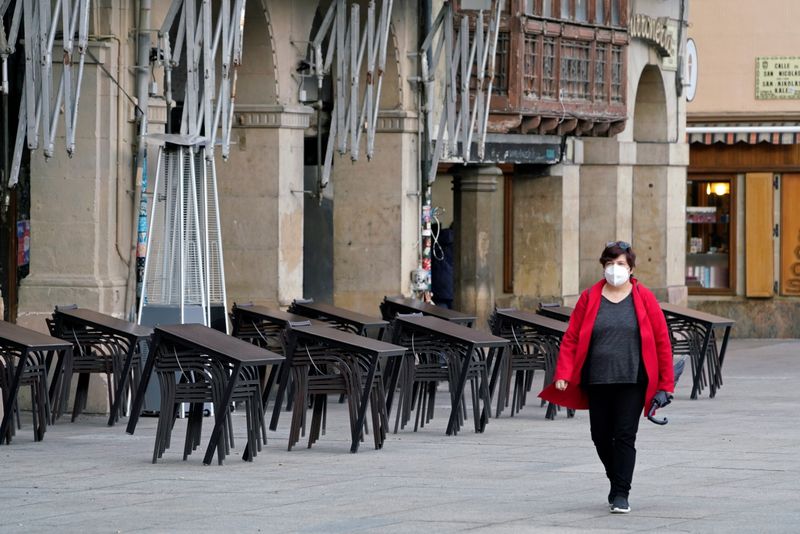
(615, 356)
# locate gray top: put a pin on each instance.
(615, 351)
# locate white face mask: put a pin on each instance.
(616, 275)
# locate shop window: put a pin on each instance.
(710, 234)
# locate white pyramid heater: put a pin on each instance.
(184, 277)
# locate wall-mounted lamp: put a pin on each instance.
(718, 188)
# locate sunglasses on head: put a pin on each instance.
(624, 245)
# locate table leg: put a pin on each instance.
(362, 408)
(393, 373)
(220, 416)
(136, 407)
(123, 382)
(724, 346)
(717, 379)
(699, 374)
(494, 354)
(286, 368)
(452, 424)
(11, 400)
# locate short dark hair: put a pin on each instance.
(613, 251)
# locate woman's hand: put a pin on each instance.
(561, 385)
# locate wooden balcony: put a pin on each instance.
(561, 68)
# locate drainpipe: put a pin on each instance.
(142, 97)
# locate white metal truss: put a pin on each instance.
(463, 112)
(41, 21)
(207, 41)
(184, 262)
(348, 43)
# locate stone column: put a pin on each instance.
(81, 211)
(261, 205)
(659, 221)
(475, 205)
(376, 217)
(606, 201)
(546, 235)
(81, 214)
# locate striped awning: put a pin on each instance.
(750, 133)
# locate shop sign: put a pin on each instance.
(659, 32)
(778, 78)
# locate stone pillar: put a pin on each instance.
(81, 214)
(606, 201)
(475, 205)
(546, 228)
(261, 205)
(80, 210)
(659, 221)
(376, 217)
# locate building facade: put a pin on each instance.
(586, 144)
(743, 234)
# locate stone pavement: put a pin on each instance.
(729, 464)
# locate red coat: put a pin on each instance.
(656, 347)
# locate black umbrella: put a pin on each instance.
(662, 398)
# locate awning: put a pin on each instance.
(750, 133)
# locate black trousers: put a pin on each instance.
(614, 413)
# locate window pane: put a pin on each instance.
(531, 83)
(616, 73)
(615, 12)
(565, 9)
(708, 237)
(547, 8)
(582, 10)
(529, 8)
(549, 67)
(599, 12)
(575, 69)
(600, 72)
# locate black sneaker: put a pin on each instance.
(620, 505)
(610, 498)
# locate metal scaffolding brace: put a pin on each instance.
(463, 113)
(42, 20)
(207, 105)
(347, 45)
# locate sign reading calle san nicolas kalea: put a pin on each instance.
(777, 77)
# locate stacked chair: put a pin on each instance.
(186, 377)
(34, 376)
(427, 363)
(531, 351)
(94, 352)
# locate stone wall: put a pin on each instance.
(768, 318)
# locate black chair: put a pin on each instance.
(94, 352)
(428, 363)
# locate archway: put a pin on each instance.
(650, 108)
(656, 196)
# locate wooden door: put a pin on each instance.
(790, 235)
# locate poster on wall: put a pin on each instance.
(778, 78)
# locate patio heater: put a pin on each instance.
(184, 277)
